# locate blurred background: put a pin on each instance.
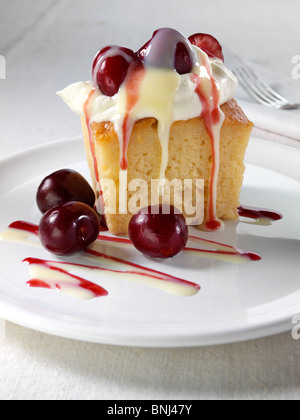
(49, 44)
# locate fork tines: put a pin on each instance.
(259, 90)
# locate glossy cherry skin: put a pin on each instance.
(168, 49)
(156, 234)
(69, 228)
(64, 186)
(184, 62)
(110, 68)
(208, 44)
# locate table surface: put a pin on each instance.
(48, 44)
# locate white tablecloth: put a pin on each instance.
(48, 44)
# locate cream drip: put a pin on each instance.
(157, 96)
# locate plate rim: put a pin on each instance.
(36, 148)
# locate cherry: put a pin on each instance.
(110, 68)
(64, 186)
(99, 55)
(208, 44)
(159, 231)
(168, 49)
(69, 228)
(184, 62)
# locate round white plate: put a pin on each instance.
(236, 302)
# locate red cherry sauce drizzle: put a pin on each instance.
(92, 145)
(222, 250)
(134, 269)
(141, 270)
(132, 82)
(219, 248)
(211, 116)
(258, 213)
(25, 226)
(94, 289)
(88, 124)
(132, 85)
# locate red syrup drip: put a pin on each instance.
(252, 256)
(92, 144)
(249, 255)
(85, 284)
(148, 272)
(211, 116)
(257, 213)
(231, 250)
(26, 226)
(31, 228)
(132, 85)
(95, 289)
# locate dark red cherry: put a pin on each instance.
(110, 68)
(208, 44)
(159, 231)
(168, 49)
(69, 228)
(64, 186)
(183, 59)
(99, 55)
(144, 51)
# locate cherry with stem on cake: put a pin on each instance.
(63, 186)
(69, 228)
(208, 44)
(159, 231)
(168, 49)
(110, 68)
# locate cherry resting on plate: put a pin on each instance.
(64, 186)
(110, 68)
(69, 228)
(168, 49)
(156, 234)
(208, 44)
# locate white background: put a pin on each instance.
(49, 44)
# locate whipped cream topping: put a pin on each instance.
(185, 101)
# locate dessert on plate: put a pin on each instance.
(165, 112)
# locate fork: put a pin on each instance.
(260, 91)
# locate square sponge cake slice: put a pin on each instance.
(190, 157)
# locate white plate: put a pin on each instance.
(236, 302)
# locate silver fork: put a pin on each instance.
(260, 91)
